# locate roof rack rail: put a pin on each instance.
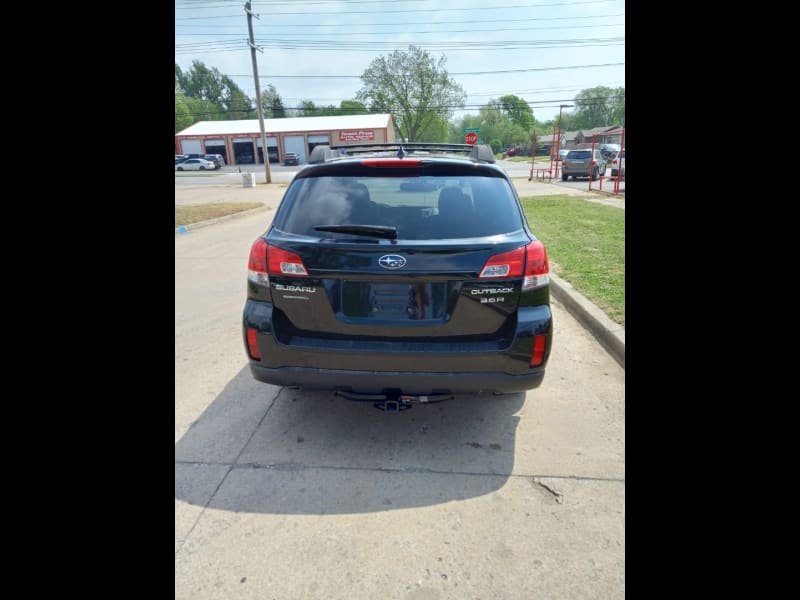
(477, 152)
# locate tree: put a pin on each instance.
(517, 110)
(414, 88)
(272, 103)
(211, 94)
(599, 106)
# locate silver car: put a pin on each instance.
(195, 164)
(581, 163)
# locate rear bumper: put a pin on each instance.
(413, 367)
(409, 383)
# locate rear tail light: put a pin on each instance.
(530, 261)
(252, 344)
(538, 350)
(537, 267)
(257, 265)
(508, 264)
(266, 260)
(282, 262)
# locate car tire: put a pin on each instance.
(202, 168)
(180, 168)
(595, 173)
(564, 177)
(604, 172)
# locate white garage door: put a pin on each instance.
(318, 139)
(296, 144)
(191, 147)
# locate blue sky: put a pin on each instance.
(313, 42)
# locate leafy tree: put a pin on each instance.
(517, 110)
(210, 94)
(272, 103)
(414, 88)
(307, 108)
(352, 107)
(599, 106)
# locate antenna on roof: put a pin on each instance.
(401, 153)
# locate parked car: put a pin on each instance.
(618, 164)
(562, 154)
(179, 158)
(195, 164)
(217, 159)
(581, 163)
(511, 152)
(384, 290)
(609, 151)
(290, 158)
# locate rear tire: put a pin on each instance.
(594, 174)
(180, 168)
(202, 168)
(564, 177)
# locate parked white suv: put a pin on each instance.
(617, 164)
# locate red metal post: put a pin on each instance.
(619, 166)
(533, 153)
(591, 164)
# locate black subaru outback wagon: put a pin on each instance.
(404, 272)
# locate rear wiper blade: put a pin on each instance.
(379, 231)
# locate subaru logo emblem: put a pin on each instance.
(391, 261)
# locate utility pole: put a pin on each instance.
(265, 151)
(558, 143)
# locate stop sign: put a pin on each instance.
(471, 138)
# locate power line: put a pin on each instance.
(403, 24)
(336, 44)
(352, 33)
(370, 12)
(462, 73)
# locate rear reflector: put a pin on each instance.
(252, 344)
(538, 350)
(282, 262)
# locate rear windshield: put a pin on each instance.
(579, 154)
(421, 208)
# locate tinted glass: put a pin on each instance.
(421, 208)
(579, 154)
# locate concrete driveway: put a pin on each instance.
(282, 493)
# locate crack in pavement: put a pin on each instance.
(231, 466)
(558, 495)
(534, 478)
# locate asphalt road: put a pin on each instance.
(281, 493)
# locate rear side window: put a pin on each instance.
(579, 154)
(421, 208)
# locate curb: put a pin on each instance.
(611, 335)
(201, 224)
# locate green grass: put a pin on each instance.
(195, 213)
(585, 245)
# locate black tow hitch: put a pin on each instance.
(394, 402)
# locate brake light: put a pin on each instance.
(530, 261)
(537, 267)
(507, 264)
(283, 262)
(257, 265)
(538, 350)
(266, 260)
(252, 344)
(393, 163)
